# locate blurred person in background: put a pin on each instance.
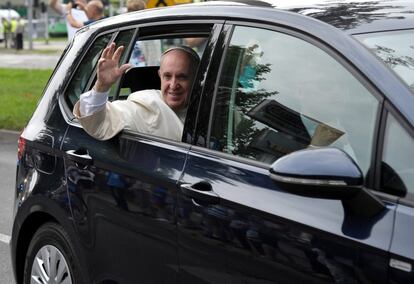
(18, 37)
(6, 30)
(136, 5)
(94, 10)
(77, 14)
(12, 32)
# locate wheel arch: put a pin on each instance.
(27, 230)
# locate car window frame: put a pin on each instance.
(388, 109)
(330, 50)
(155, 33)
(148, 31)
(67, 110)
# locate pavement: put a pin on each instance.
(9, 135)
(42, 56)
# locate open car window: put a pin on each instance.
(145, 60)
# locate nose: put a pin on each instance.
(174, 83)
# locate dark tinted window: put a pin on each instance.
(398, 160)
(279, 94)
(85, 70)
(123, 39)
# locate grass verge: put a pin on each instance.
(25, 51)
(19, 93)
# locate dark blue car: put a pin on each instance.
(296, 163)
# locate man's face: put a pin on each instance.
(176, 79)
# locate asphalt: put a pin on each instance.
(8, 135)
(42, 56)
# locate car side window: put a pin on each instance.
(397, 166)
(84, 72)
(278, 94)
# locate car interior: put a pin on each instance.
(148, 79)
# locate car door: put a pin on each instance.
(120, 192)
(123, 191)
(397, 178)
(278, 92)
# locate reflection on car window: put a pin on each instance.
(397, 168)
(396, 49)
(148, 52)
(82, 75)
(278, 94)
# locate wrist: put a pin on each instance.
(99, 88)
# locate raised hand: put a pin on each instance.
(81, 4)
(108, 70)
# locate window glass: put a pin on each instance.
(278, 94)
(397, 174)
(123, 39)
(148, 52)
(396, 49)
(85, 70)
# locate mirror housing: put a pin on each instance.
(325, 173)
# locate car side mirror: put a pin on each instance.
(325, 173)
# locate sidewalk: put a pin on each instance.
(8, 135)
(42, 56)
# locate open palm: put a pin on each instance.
(108, 68)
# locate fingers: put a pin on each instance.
(107, 51)
(110, 52)
(111, 49)
(100, 62)
(124, 68)
(118, 53)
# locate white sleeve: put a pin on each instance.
(92, 101)
(62, 8)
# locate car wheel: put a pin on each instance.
(51, 257)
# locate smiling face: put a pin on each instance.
(176, 78)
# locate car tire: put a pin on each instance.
(51, 257)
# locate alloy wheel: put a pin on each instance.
(50, 267)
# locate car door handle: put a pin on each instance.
(201, 192)
(80, 157)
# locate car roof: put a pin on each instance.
(351, 16)
(354, 16)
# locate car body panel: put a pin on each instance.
(130, 212)
(272, 235)
(126, 198)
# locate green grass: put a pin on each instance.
(53, 38)
(19, 93)
(25, 51)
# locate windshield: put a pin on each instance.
(396, 49)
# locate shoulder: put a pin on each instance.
(145, 95)
(79, 15)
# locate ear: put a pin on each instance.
(159, 73)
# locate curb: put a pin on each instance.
(9, 134)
